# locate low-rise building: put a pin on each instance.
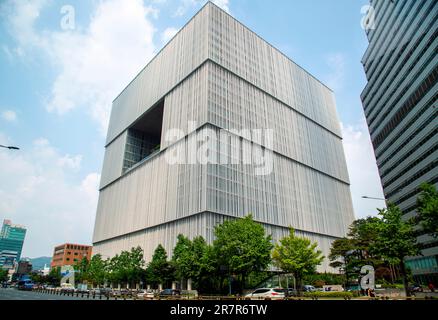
(70, 254)
(24, 267)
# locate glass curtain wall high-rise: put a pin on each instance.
(11, 243)
(400, 103)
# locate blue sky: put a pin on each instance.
(57, 86)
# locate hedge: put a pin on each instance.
(331, 294)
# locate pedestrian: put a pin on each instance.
(431, 287)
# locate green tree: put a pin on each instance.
(183, 258)
(298, 256)
(427, 207)
(126, 267)
(3, 275)
(395, 239)
(363, 234)
(135, 265)
(54, 276)
(340, 256)
(203, 262)
(191, 259)
(241, 247)
(81, 270)
(160, 270)
(112, 269)
(97, 270)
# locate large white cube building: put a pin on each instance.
(215, 86)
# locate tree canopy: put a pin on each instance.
(242, 247)
(159, 270)
(427, 206)
(297, 255)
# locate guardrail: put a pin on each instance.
(133, 296)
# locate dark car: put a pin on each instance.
(416, 288)
(105, 291)
(125, 293)
(170, 293)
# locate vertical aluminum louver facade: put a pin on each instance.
(218, 80)
(400, 103)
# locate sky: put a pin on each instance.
(63, 62)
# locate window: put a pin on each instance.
(144, 137)
(259, 291)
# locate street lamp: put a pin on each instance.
(9, 147)
(372, 198)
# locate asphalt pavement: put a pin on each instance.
(14, 294)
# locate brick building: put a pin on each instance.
(70, 254)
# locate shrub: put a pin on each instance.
(319, 294)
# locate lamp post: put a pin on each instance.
(372, 198)
(9, 147)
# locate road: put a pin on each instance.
(14, 294)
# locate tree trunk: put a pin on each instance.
(405, 278)
(298, 284)
(243, 283)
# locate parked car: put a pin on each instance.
(101, 291)
(309, 288)
(125, 293)
(416, 288)
(115, 293)
(333, 288)
(276, 293)
(169, 293)
(145, 294)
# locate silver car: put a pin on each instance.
(263, 293)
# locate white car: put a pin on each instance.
(263, 293)
(145, 294)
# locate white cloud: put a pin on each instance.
(362, 167)
(72, 162)
(45, 197)
(94, 64)
(9, 115)
(335, 80)
(168, 34)
(21, 17)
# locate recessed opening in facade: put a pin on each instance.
(144, 137)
